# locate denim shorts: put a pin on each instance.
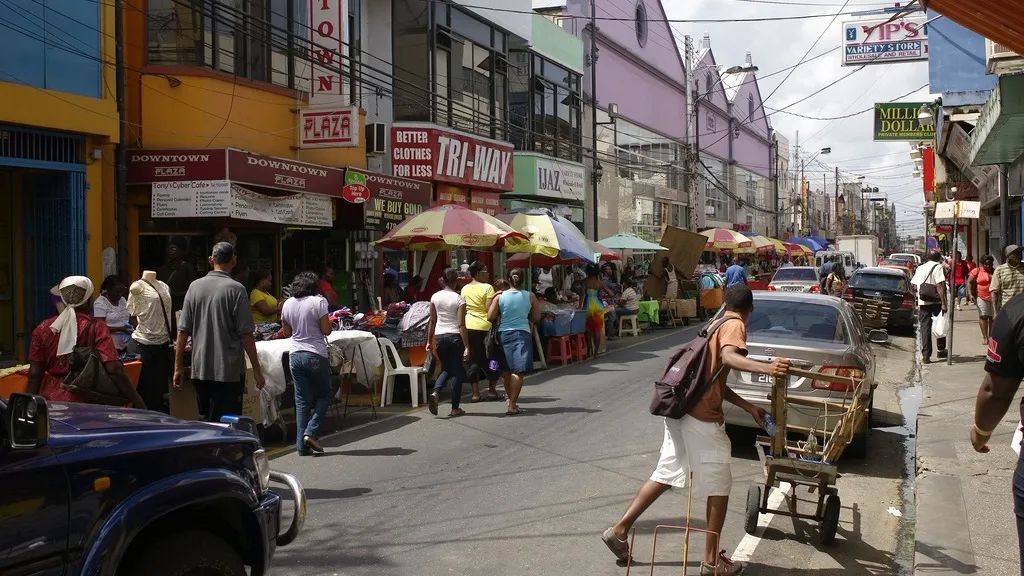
(518, 348)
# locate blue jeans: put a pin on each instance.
(311, 376)
(1018, 508)
(449, 352)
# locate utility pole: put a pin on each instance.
(121, 168)
(837, 199)
(775, 185)
(1004, 210)
(697, 205)
(594, 172)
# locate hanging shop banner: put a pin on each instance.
(329, 127)
(220, 198)
(486, 202)
(879, 41)
(328, 36)
(898, 121)
(552, 178)
(428, 152)
(191, 199)
(391, 199)
(283, 174)
(355, 190)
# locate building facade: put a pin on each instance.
(58, 131)
(735, 167)
(640, 104)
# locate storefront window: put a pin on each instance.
(552, 94)
(716, 202)
(262, 40)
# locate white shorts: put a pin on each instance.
(703, 448)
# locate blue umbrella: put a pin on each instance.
(809, 242)
(821, 241)
(553, 235)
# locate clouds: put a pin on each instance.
(778, 45)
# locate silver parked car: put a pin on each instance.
(820, 334)
(795, 279)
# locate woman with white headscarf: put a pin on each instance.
(55, 338)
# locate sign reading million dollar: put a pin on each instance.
(898, 121)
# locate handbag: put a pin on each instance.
(88, 377)
(492, 345)
(929, 292)
(166, 317)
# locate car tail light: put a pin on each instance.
(771, 288)
(844, 371)
(908, 300)
(815, 289)
(848, 294)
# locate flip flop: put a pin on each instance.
(475, 399)
(513, 412)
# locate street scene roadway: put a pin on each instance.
(530, 494)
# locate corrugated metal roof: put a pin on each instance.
(997, 20)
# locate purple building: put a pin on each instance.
(642, 152)
(735, 166)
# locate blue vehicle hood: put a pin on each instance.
(74, 419)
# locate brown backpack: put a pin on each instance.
(684, 381)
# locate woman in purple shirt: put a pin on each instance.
(304, 319)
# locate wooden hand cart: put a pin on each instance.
(812, 463)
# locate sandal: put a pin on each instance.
(513, 412)
(456, 412)
(475, 399)
(495, 397)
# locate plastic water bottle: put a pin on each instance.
(493, 365)
(769, 425)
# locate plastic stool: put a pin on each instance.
(579, 346)
(633, 330)
(560, 349)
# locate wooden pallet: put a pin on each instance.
(873, 313)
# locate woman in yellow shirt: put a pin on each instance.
(265, 308)
(478, 295)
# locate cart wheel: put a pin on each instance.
(753, 508)
(829, 520)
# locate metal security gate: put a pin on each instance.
(54, 234)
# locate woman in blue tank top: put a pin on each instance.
(515, 311)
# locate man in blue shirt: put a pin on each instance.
(735, 274)
(826, 266)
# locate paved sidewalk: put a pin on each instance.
(965, 521)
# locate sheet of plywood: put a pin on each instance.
(684, 249)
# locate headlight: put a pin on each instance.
(262, 465)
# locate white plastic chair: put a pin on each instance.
(393, 367)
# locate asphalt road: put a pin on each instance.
(492, 495)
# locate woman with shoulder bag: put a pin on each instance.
(518, 309)
(72, 357)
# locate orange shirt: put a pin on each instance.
(732, 332)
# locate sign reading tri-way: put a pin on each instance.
(881, 41)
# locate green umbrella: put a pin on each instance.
(630, 242)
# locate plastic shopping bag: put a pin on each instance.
(940, 325)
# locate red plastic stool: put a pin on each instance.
(560, 349)
(579, 346)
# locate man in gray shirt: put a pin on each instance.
(216, 314)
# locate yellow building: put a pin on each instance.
(218, 119)
(58, 130)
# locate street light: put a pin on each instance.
(598, 170)
(925, 116)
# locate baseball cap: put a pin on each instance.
(1010, 250)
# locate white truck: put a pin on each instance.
(863, 246)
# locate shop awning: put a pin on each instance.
(223, 199)
(997, 20)
(998, 137)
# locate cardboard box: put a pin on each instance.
(686, 308)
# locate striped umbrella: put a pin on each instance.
(760, 244)
(453, 226)
(540, 260)
(797, 249)
(550, 234)
(725, 239)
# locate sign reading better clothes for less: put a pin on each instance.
(428, 152)
(898, 121)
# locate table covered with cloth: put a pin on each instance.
(354, 350)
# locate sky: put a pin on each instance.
(780, 44)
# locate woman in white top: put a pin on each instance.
(112, 307)
(447, 331)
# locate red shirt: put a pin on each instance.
(327, 291)
(43, 348)
(984, 280)
(960, 273)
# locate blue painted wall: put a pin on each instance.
(53, 44)
(956, 58)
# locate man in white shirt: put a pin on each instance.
(931, 272)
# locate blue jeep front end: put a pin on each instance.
(101, 490)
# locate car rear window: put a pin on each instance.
(868, 281)
(795, 275)
(781, 320)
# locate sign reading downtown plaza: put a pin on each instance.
(898, 121)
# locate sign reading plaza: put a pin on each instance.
(898, 121)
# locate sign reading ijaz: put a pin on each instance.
(898, 121)
(427, 152)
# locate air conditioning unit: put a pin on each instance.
(376, 138)
(709, 210)
(1001, 60)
